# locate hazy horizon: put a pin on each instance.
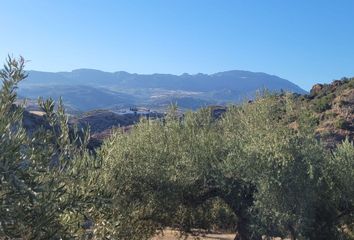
(196, 73)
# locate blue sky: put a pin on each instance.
(304, 41)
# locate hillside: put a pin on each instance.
(334, 106)
(79, 97)
(88, 89)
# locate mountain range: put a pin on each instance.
(88, 89)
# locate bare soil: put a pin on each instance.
(174, 235)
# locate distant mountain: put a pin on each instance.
(79, 97)
(87, 89)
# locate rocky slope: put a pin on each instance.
(334, 106)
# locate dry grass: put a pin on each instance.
(174, 235)
(170, 234)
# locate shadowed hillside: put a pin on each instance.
(87, 89)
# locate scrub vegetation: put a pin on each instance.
(258, 170)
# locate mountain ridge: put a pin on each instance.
(152, 90)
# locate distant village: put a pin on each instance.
(135, 110)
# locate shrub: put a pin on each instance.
(323, 103)
(342, 124)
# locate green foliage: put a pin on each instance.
(258, 169)
(268, 174)
(351, 83)
(35, 171)
(341, 124)
(282, 163)
(330, 115)
(336, 200)
(323, 103)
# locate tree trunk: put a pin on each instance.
(292, 233)
(240, 199)
(242, 228)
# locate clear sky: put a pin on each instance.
(304, 41)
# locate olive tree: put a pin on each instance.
(261, 160)
(282, 160)
(37, 169)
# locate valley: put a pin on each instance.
(88, 89)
